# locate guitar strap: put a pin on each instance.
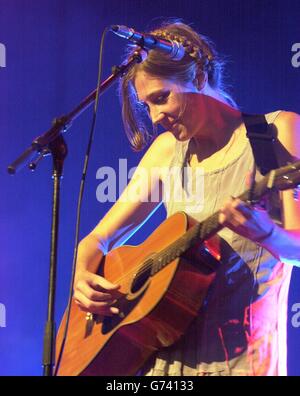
(263, 139)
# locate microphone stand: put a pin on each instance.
(52, 142)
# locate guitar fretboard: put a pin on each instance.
(198, 233)
(280, 179)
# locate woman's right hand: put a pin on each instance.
(95, 294)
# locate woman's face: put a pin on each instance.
(174, 106)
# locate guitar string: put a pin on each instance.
(140, 269)
(208, 221)
(164, 253)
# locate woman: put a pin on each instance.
(241, 329)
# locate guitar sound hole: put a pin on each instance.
(141, 277)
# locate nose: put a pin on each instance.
(157, 117)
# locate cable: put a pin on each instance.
(80, 196)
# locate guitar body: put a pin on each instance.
(155, 308)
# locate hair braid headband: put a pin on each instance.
(202, 55)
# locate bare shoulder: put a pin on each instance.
(288, 127)
(162, 149)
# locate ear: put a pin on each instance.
(200, 80)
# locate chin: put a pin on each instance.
(181, 134)
(182, 138)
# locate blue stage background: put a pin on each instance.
(51, 64)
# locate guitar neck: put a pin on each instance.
(281, 179)
(210, 226)
(196, 234)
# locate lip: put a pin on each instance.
(171, 125)
(175, 123)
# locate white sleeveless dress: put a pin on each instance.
(241, 327)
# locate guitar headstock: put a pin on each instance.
(284, 178)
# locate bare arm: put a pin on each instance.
(283, 243)
(138, 200)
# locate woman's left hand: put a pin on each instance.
(253, 223)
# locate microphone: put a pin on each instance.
(172, 48)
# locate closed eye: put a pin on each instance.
(156, 100)
(161, 98)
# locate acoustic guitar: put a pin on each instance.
(163, 283)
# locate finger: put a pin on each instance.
(229, 205)
(236, 203)
(104, 311)
(92, 306)
(244, 209)
(84, 287)
(100, 283)
(84, 300)
(81, 306)
(94, 295)
(232, 218)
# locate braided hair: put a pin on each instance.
(200, 58)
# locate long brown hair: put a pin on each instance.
(200, 57)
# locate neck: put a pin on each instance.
(219, 123)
